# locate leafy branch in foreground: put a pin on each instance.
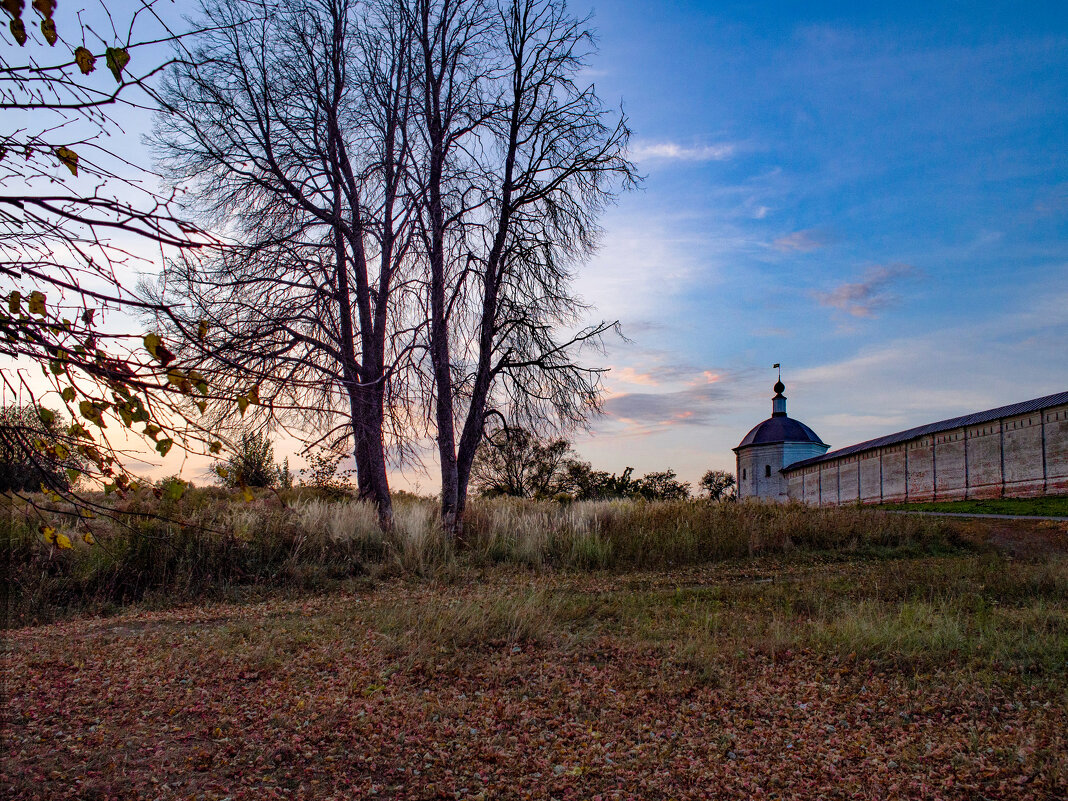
(78, 219)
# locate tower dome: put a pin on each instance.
(772, 445)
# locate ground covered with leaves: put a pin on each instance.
(813, 677)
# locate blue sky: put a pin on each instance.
(876, 198)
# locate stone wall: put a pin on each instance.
(1017, 456)
(753, 465)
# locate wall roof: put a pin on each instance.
(976, 418)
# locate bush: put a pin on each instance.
(252, 464)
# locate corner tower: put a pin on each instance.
(772, 445)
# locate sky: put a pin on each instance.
(874, 197)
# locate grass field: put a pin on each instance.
(926, 665)
(1049, 506)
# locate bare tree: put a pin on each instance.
(516, 159)
(288, 128)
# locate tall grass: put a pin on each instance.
(211, 541)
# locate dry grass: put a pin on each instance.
(213, 544)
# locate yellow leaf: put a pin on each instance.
(37, 303)
(117, 59)
(63, 541)
(49, 534)
(14, 302)
(246, 493)
(152, 341)
(88, 538)
(85, 60)
(68, 158)
(202, 329)
(242, 404)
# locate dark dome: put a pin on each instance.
(780, 429)
(779, 387)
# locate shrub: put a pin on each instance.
(252, 464)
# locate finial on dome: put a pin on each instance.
(778, 403)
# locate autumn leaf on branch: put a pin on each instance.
(117, 58)
(68, 158)
(85, 60)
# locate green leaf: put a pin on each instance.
(215, 447)
(199, 382)
(68, 394)
(175, 490)
(92, 412)
(152, 342)
(14, 302)
(37, 303)
(117, 59)
(242, 404)
(164, 445)
(48, 417)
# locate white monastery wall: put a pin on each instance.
(1017, 456)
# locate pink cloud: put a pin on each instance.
(869, 295)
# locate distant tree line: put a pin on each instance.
(516, 462)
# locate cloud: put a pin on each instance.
(644, 151)
(804, 241)
(629, 375)
(867, 296)
(691, 406)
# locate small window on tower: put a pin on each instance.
(767, 471)
(743, 474)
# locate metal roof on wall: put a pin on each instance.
(933, 428)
